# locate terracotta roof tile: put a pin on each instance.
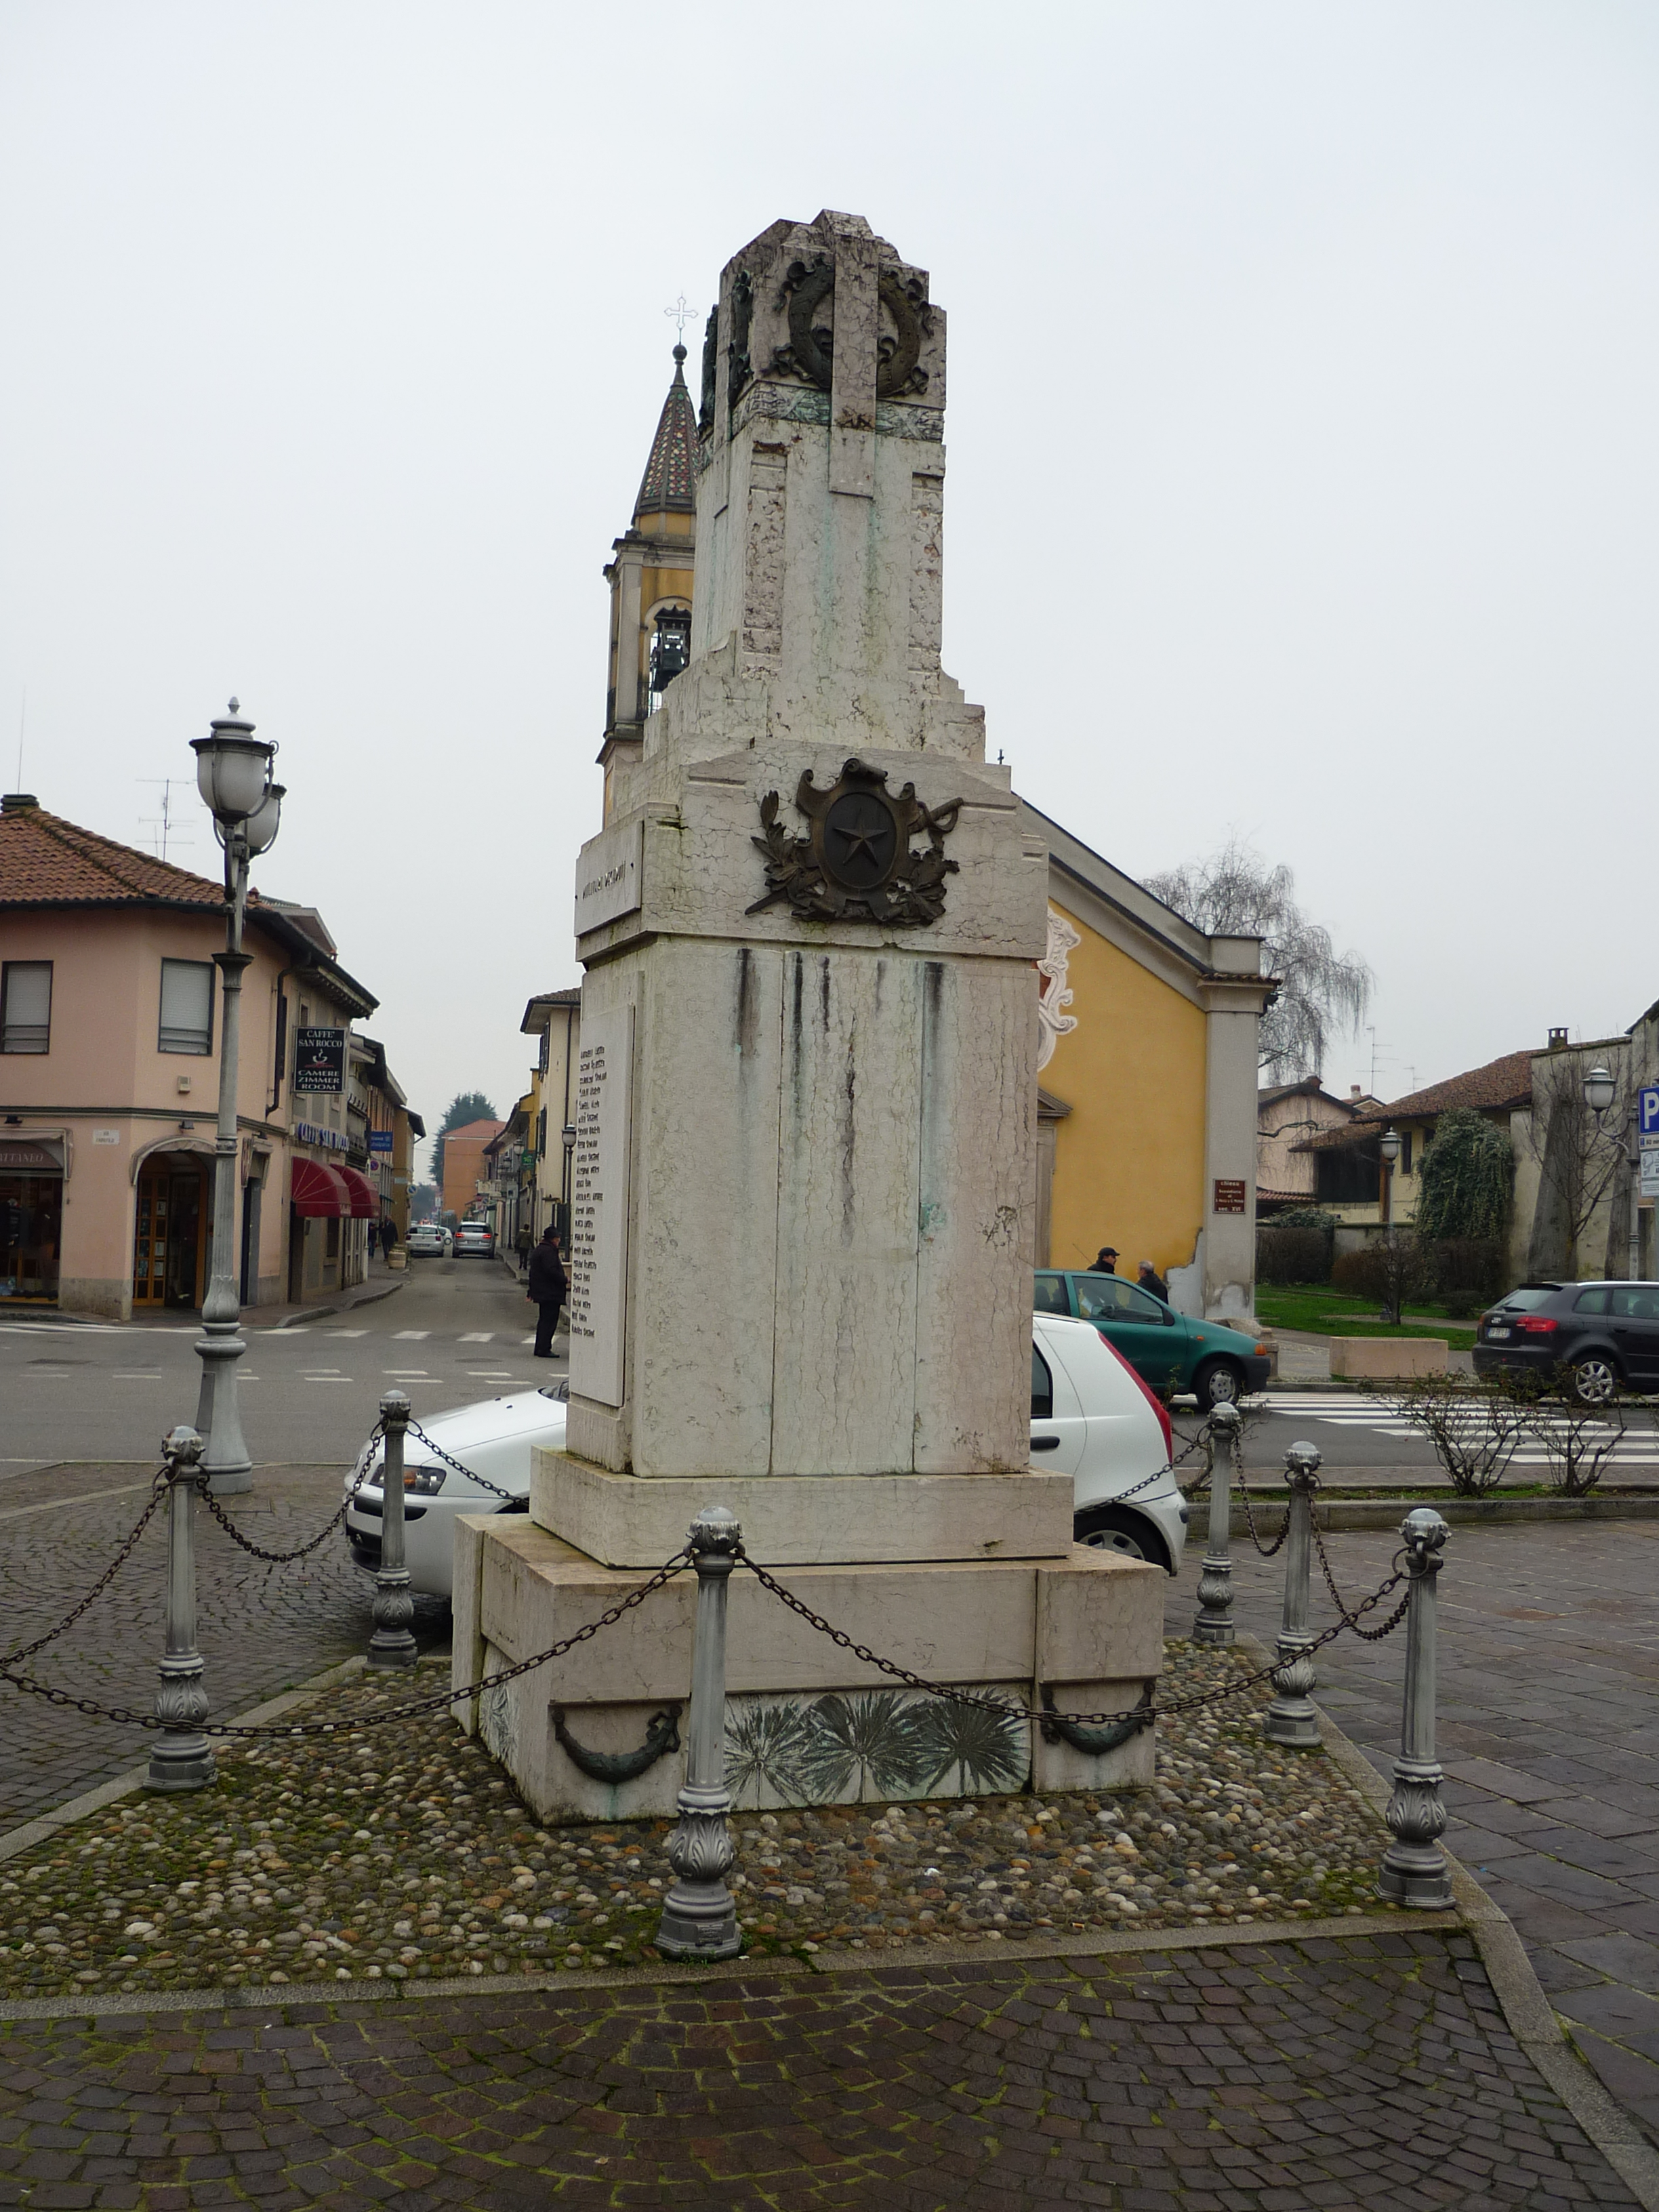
(1501, 1086)
(46, 862)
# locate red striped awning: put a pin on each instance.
(365, 1199)
(320, 1192)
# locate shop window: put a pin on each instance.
(25, 1006)
(187, 1007)
(332, 1251)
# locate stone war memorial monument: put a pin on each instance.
(805, 1138)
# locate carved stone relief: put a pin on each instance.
(1053, 995)
(811, 345)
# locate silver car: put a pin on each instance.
(474, 1236)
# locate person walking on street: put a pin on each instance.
(388, 1235)
(547, 1291)
(1105, 1262)
(1150, 1279)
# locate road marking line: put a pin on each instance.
(84, 1497)
(410, 1335)
(478, 1336)
(346, 1332)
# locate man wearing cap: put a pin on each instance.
(1105, 1262)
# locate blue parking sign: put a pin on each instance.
(1647, 1107)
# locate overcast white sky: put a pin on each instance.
(1304, 450)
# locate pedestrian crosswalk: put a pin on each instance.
(1360, 1410)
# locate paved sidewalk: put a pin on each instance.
(261, 1629)
(1316, 2076)
(1549, 1657)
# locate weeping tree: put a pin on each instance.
(1321, 992)
(1464, 1181)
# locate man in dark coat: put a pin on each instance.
(1150, 1279)
(1105, 1262)
(547, 1291)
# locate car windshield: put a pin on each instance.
(559, 1391)
(1531, 1296)
(1108, 1297)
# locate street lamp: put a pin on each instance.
(1600, 1090)
(1390, 1147)
(232, 774)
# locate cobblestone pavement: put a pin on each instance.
(260, 1630)
(1549, 1656)
(1368, 2072)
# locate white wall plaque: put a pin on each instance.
(106, 1136)
(608, 876)
(599, 1205)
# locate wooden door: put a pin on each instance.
(149, 1237)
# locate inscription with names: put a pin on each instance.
(599, 1207)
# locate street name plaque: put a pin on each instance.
(599, 1205)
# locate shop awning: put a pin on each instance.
(365, 1200)
(320, 1192)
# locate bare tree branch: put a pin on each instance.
(1321, 992)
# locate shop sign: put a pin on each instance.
(17, 1157)
(379, 1140)
(331, 1140)
(320, 1061)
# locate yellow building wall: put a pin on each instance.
(1129, 1156)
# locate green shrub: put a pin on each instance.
(1291, 1254)
(1470, 1273)
(1465, 1178)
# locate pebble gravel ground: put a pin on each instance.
(401, 1850)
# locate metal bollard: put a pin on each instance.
(181, 1757)
(1292, 1718)
(699, 1918)
(393, 1644)
(1214, 1621)
(1415, 1870)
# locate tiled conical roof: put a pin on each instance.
(668, 485)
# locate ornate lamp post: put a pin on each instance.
(1388, 1146)
(232, 774)
(1600, 1091)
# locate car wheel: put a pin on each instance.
(1218, 1382)
(1595, 1379)
(1116, 1529)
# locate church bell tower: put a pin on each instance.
(650, 579)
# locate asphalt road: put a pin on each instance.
(458, 1330)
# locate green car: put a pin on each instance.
(1169, 1352)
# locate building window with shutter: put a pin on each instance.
(187, 1007)
(25, 1006)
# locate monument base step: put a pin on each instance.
(805, 1519)
(807, 1722)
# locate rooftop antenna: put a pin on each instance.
(170, 833)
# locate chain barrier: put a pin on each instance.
(281, 1559)
(441, 1703)
(1250, 1518)
(158, 1492)
(1371, 1635)
(1007, 1707)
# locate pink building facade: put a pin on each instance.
(109, 1034)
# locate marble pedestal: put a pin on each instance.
(806, 1722)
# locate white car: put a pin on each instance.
(1093, 1418)
(429, 1237)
